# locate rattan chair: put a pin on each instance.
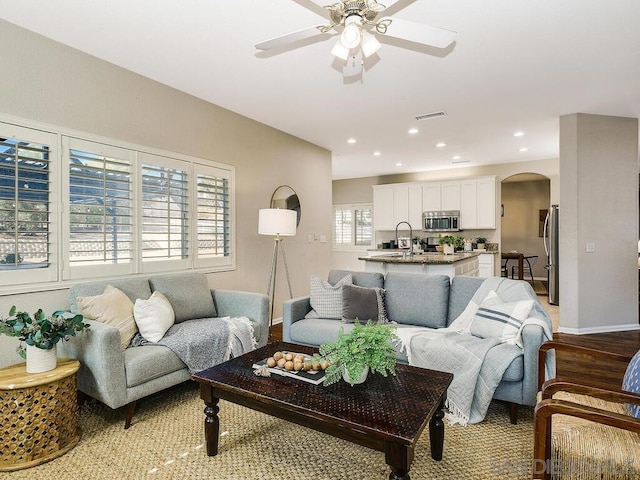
(593, 436)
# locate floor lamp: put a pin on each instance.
(279, 223)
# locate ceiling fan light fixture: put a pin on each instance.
(340, 51)
(352, 34)
(370, 44)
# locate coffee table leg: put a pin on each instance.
(399, 458)
(436, 432)
(211, 426)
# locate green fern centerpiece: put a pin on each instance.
(366, 345)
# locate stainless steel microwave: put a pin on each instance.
(448, 221)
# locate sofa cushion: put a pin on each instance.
(362, 279)
(189, 295)
(316, 331)
(132, 287)
(148, 362)
(417, 299)
(326, 299)
(153, 316)
(460, 294)
(363, 304)
(112, 307)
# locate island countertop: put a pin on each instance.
(422, 258)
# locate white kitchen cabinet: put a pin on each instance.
(415, 207)
(478, 203)
(486, 265)
(431, 197)
(383, 199)
(400, 204)
(486, 202)
(450, 195)
(441, 196)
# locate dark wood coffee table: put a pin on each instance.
(386, 414)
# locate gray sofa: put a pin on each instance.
(427, 301)
(118, 377)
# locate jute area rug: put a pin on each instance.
(166, 440)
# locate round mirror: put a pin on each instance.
(286, 197)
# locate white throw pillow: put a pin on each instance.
(153, 316)
(112, 307)
(500, 320)
(326, 299)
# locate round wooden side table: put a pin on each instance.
(38, 414)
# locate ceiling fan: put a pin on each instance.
(358, 22)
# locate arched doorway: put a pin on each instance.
(525, 201)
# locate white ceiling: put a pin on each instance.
(516, 65)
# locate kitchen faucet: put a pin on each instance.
(410, 236)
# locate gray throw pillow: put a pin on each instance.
(363, 304)
(189, 295)
(326, 299)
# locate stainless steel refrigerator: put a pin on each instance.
(551, 248)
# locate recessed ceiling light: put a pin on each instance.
(351, 140)
(441, 144)
(523, 149)
(398, 164)
(456, 157)
(413, 131)
(518, 134)
(377, 153)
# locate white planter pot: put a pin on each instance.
(40, 360)
(363, 377)
(448, 249)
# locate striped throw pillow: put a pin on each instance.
(495, 319)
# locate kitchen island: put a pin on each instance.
(461, 263)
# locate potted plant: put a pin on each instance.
(450, 243)
(480, 243)
(366, 348)
(41, 334)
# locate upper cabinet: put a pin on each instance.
(439, 196)
(397, 203)
(478, 203)
(474, 197)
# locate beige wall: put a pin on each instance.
(599, 206)
(62, 87)
(520, 228)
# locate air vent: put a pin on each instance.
(428, 116)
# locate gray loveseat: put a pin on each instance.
(425, 301)
(118, 377)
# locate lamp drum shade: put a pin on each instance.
(277, 221)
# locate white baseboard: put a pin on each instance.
(602, 329)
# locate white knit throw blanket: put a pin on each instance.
(477, 364)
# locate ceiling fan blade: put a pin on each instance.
(289, 38)
(394, 7)
(353, 65)
(420, 33)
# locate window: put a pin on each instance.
(164, 220)
(25, 206)
(213, 214)
(73, 208)
(100, 209)
(353, 226)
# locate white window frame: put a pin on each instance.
(206, 261)
(75, 272)
(351, 246)
(49, 273)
